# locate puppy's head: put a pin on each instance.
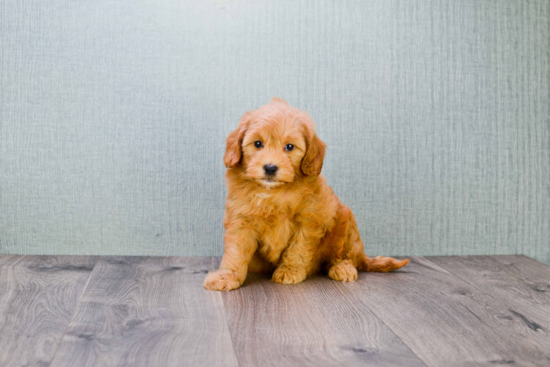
(274, 145)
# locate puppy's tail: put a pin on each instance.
(382, 264)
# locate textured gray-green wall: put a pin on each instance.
(114, 113)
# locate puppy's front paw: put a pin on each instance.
(221, 281)
(286, 275)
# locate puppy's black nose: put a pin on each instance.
(270, 169)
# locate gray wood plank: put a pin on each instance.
(447, 321)
(38, 296)
(532, 272)
(9, 259)
(527, 299)
(315, 323)
(148, 311)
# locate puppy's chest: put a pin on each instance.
(273, 216)
(275, 232)
(275, 227)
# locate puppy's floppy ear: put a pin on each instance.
(233, 143)
(315, 153)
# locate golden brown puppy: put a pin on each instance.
(281, 217)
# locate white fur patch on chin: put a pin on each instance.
(270, 184)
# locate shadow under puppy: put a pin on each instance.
(281, 217)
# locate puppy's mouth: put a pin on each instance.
(270, 182)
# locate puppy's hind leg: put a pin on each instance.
(344, 271)
(347, 254)
(338, 250)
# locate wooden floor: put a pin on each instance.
(153, 311)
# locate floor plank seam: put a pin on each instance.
(397, 336)
(214, 263)
(75, 309)
(230, 334)
(17, 261)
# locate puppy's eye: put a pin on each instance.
(258, 144)
(289, 147)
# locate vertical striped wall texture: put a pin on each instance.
(114, 113)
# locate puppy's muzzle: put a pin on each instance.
(270, 169)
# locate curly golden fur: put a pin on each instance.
(289, 223)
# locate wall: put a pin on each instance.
(114, 114)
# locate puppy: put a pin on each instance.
(281, 217)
